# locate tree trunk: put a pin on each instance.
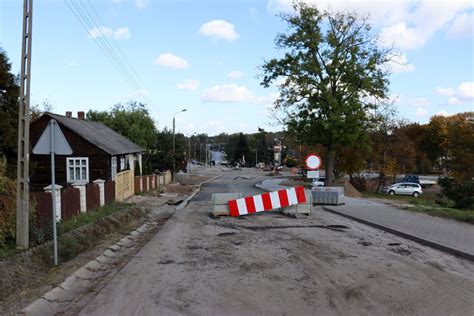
(329, 166)
(381, 181)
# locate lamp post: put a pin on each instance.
(174, 144)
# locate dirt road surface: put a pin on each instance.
(275, 265)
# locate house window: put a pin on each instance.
(77, 169)
(114, 168)
(122, 163)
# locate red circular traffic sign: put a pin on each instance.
(313, 161)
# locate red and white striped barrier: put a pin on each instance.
(267, 201)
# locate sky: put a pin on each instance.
(205, 56)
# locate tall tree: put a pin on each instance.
(9, 94)
(132, 120)
(332, 76)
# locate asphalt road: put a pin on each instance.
(242, 181)
(276, 265)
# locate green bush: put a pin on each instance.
(7, 207)
(462, 193)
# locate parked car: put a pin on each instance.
(318, 182)
(404, 188)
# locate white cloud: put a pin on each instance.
(447, 92)
(407, 24)
(119, 33)
(188, 84)
(399, 63)
(463, 93)
(454, 101)
(422, 21)
(219, 29)
(122, 33)
(463, 25)
(421, 112)
(171, 61)
(466, 91)
(232, 93)
(100, 31)
(442, 113)
(235, 74)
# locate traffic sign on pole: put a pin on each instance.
(313, 162)
(52, 142)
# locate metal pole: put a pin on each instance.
(53, 193)
(206, 153)
(189, 155)
(174, 152)
(22, 188)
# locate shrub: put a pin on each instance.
(461, 193)
(7, 207)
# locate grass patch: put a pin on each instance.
(92, 216)
(428, 204)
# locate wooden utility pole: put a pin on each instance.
(22, 191)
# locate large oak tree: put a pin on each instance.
(333, 78)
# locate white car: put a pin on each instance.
(318, 182)
(404, 188)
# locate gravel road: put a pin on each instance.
(275, 265)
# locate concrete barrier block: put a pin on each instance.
(220, 203)
(302, 208)
(224, 198)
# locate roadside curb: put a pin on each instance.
(411, 237)
(186, 202)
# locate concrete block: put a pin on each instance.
(220, 203)
(303, 208)
(328, 195)
(224, 198)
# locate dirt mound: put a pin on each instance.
(349, 189)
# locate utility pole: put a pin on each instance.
(22, 188)
(174, 144)
(189, 155)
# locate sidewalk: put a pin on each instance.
(444, 234)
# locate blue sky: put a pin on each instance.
(205, 56)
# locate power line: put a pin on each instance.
(103, 40)
(83, 21)
(107, 39)
(116, 45)
(106, 46)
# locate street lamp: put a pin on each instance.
(174, 144)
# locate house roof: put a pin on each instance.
(99, 135)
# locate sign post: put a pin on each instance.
(52, 142)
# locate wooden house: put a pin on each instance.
(98, 152)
